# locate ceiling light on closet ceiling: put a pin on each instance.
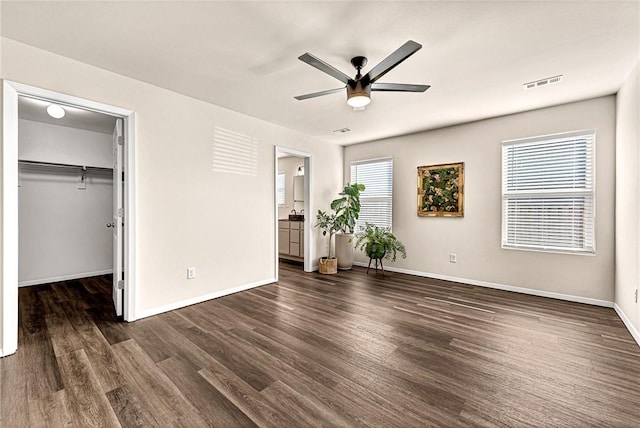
(55, 111)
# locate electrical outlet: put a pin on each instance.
(191, 273)
(453, 258)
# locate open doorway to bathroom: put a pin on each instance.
(292, 184)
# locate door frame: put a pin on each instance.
(9, 290)
(308, 265)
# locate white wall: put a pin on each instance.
(476, 238)
(289, 165)
(188, 214)
(62, 232)
(52, 143)
(627, 274)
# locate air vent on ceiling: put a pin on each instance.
(342, 130)
(543, 82)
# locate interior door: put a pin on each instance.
(118, 217)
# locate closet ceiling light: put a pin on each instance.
(55, 111)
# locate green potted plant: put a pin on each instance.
(347, 209)
(327, 223)
(379, 243)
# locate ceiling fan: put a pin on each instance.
(359, 88)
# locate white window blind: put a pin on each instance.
(548, 193)
(280, 193)
(376, 199)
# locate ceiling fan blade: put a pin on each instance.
(398, 87)
(323, 66)
(399, 55)
(319, 94)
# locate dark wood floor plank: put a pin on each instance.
(214, 408)
(63, 337)
(38, 351)
(102, 358)
(129, 411)
(50, 411)
(142, 374)
(87, 406)
(310, 368)
(312, 350)
(245, 397)
(14, 398)
(308, 412)
(336, 400)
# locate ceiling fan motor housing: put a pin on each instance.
(358, 89)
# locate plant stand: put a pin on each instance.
(377, 260)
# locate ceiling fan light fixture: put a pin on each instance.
(358, 101)
(358, 96)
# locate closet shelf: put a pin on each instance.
(47, 165)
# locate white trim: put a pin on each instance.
(556, 136)
(33, 91)
(627, 323)
(63, 278)
(9, 291)
(366, 161)
(513, 288)
(130, 303)
(276, 215)
(9, 220)
(195, 300)
(308, 168)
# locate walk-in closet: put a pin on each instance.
(65, 192)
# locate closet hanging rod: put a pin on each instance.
(63, 165)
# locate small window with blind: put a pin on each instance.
(376, 199)
(280, 194)
(548, 193)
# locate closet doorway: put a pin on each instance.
(67, 198)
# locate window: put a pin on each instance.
(376, 200)
(280, 194)
(548, 193)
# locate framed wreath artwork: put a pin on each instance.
(441, 190)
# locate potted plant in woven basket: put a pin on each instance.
(328, 224)
(379, 243)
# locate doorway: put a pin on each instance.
(292, 207)
(122, 190)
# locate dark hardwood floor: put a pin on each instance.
(344, 350)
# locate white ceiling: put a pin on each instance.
(243, 55)
(36, 110)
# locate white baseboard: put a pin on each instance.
(627, 322)
(188, 302)
(63, 278)
(531, 291)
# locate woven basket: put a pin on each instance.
(328, 266)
